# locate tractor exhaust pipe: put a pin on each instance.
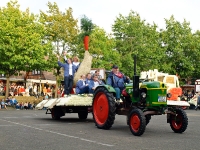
(135, 81)
(134, 65)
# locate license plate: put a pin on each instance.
(161, 98)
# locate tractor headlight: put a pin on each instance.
(144, 95)
(169, 95)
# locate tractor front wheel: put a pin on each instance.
(103, 108)
(137, 122)
(179, 121)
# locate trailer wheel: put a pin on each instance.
(179, 122)
(137, 122)
(103, 108)
(55, 114)
(83, 115)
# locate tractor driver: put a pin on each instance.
(116, 79)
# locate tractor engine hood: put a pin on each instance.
(153, 84)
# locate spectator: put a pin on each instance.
(33, 106)
(35, 90)
(46, 97)
(3, 104)
(26, 105)
(8, 100)
(30, 87)
(49, 92)
(14, 101)
(26, 92)
(29, 105)
(46, 85)
(22, 91)
(17, 106)
(21, 105)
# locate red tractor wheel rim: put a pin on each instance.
(184, 107)
(100, 108)
(177, 122)
(135, 122)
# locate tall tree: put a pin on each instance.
(136, 37)
(62, 31)
(22, 44)
(180, 46)
(195, 56)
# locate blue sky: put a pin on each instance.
(104, 12)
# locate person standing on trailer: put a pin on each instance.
(69, 71)
(75, 60)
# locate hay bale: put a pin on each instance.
(84, 68)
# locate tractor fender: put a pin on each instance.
(108, 87)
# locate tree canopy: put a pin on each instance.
(22, 44)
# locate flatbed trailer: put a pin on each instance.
(81, 104)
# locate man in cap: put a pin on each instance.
(116, 79)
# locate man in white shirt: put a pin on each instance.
(75, 60)
(69, 71)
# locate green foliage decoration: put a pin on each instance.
(86, 26)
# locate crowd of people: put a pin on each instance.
(12, 102)
(15, 89)
(88, 83)
(30, 89)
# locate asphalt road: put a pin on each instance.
(34, 130)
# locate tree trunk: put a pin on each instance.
(56, 88)
(7, 86)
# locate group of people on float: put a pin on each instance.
(87, 83)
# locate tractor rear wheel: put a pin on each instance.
(103, 108)
(137, 122)
(179, 122)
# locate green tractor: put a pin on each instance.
(140, 101)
